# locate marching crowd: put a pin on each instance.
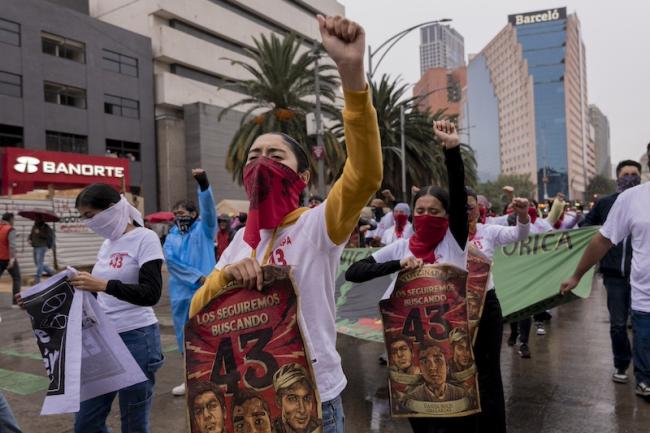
(439, 227)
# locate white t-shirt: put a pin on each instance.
(314, 259)
(447, 252)
(390, 236)
(629, 216)
(121, 260)
(386, 222)
(489, 237)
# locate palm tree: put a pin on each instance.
(424, 157)
(283, 77)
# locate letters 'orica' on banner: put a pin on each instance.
(247, 362)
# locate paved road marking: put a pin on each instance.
(22, 383)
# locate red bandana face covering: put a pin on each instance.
(273, 190)
(400, 223)
(429, 232)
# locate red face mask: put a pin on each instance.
(400, 223)
(532, 213)
(429, 232)
(273, 190)
(482, 215)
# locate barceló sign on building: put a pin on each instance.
(60, 168)
(537, 17)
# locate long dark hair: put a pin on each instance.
(441, 194)
(97, 196)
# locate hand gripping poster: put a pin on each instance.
(247, 363)
(478, 268)
(431, 364)
(83, 354)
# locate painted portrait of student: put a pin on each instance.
(294, 393)
(207, 408)
(400, 356)
(461, 360)
(251, 413)
(436, 387)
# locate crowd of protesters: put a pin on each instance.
(204, 252)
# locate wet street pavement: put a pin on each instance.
(565, 387)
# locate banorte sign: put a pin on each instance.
(30, 167)
(537, 17)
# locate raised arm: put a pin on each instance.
(508, 235)
(207, 208)
(344, 41)
(458, 225)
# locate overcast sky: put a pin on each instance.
(616, 35)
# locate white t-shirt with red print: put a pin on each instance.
(121, 260)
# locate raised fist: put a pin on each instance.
(345, 42)
(446, 133)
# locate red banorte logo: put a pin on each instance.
(117, 260)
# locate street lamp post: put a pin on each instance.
(392, 41)
(320, 148)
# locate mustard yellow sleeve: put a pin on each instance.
(213, 285)
(555, 212)
(362, 173)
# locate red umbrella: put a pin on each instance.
(159, 217)
(36, 213)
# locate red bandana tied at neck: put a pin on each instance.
(429, 232)
(273, 190)
(532, 213)
(400, 223)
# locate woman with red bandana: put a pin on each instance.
(402, 228)
(441, 230)
(309, 240)
(487, 349)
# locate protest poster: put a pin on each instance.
(431, 364)
(247, 362)
(528, 273)
(83, 354)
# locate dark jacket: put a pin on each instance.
(41, 235)
(618, 261)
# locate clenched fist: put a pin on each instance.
(345, 42)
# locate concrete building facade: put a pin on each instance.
(534, 73)
(70, 83)
(441, 47)
(192, 41)
(602, 146)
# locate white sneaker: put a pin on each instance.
(179, 390)
(620, 376)
(540, 328)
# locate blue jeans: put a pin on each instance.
(8, 423)
(333, 416)
(39, 261)
(618, 304)
(135, 401)
(641, 329)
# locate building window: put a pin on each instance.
(123, 149)
(201, 76)
(11, 136)
(123, 107)
(119, 63)
(63, 142)
(65, 95)
(9, 32)
(62, 47)
(11, 84)
(209, 37)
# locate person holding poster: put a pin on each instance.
(128, 281)
(310, 241)
(487, 349)
(440, 236)
(189, 252)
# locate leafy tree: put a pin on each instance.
(279, 96)
(521, 183)
(600, 185)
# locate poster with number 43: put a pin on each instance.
(247, 363)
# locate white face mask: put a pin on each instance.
(111, 223)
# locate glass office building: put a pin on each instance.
(536, 67)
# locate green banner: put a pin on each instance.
(528, 273)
